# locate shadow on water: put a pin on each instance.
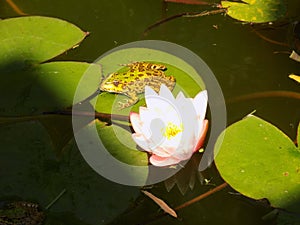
(22, 92)
(29, 168)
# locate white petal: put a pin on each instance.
(190, 128)
(173, 141)
(200, 104)
(186, 147)
(156, 137)
(156, 102)
(146, 115)
(149, 91)
(180, 95)
(166, 93)
(163, 109)
(173, 116)
(151, 97)
(141, 141)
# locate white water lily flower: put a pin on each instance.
(170, 129)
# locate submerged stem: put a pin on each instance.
(190, 202)
(55, 199)
(102, 116)
(184, 14)
(15, 8)
(268, 39)
(200, 197)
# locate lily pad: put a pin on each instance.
(298, 137)
(46, 87)
(255, 11)
(260, 161)
(28, 87)
(119, 143)
(35, 39)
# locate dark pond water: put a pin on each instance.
(243, 63)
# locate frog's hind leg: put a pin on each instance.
(133, 98)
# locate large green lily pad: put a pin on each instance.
(119, 143)
(36, 39)
(28, 87)
(255, 11)
(260, 161)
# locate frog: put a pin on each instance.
(133, 81)
(20, 213)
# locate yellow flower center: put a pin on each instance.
(172, 130)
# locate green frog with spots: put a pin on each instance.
(133, 82)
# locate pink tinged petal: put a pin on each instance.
(136, 122)
(163, 152)
(183, 156)
(185, 150)
(202, 136)
(139, 123)
(200, 104)
(168, 147)
(163, 161)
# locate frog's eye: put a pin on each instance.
(158, 67)
(116, 83)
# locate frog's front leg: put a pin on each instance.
(133, 98)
